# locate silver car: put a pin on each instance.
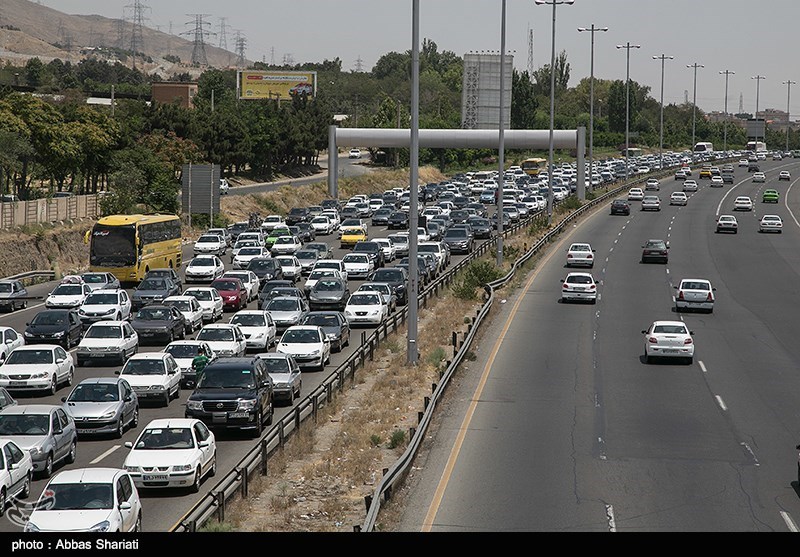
(285, 374)
(44, 430)
(103, 405)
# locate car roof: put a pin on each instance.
(106, 324)
(180, 298)
(36, 347)
(171, 422)
(29, 409)
(100, 380)
(681, 323)
(87, 475)
(695, 280)
(580, 274)
(148, 356)
(220, 326)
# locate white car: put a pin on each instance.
(400, 242)
(210, 301)
(322, 225)
(98, 281)
(695, 294)
(172, 452)
(759, 177)
(784, 175)
(742, 203)
(247, 254)
(184, 351)
(579, 287)
(668, 339)
(244, 243)
(16, 473)
(271, 222)
(258, 328)
(285, 245)
(88, 500)
(250, 280)
(204, 268)
(727, 223)
(256, 236)
(105, 305)
(287, 380)
(690, 185)
(366, 308)
(153, 376)
(336, 264)
(354, 154)
(67, 296)
(225, 339)
(224, 232)
(678, 198)
(291, 266)
(224, 186)
(37, 367)
(318, 274)
(635, 194)
(651, 203)
(580, 255)
(388, 248)
(9, 340)
(107, 339)
(652, 185)
(333, 216)
(307, 344)
(210, 244)
(190, 308)
(358, 265)
(717, 182)
(744, 163)
(771, 223)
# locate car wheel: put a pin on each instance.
(648, 359)
(48, 466)
(70, 376)
(3, 501)
(120, 429)
(259, 430)
(196, 483)
(73, 452)
(171, 335)
(53, 385)
(299, 388)
(138, 526)
(213, 471)
(26, 487)
(167, 398)
(271, 413)
(135, 418)
(67, 342)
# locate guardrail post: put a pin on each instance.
(264, 456)
(368, 501)
(328, 392)
(426, 401)
(419, 416)
(281, 436)
(220, 498)
(297, 419)
(242, 474)
(372, 349)
(314, 407)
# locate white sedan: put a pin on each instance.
(307, 344)
(153, 376)
(668, 339)
(16, 471)
(651, 203)
(579, 287)
(771, 223)
(580, 255)
(225, 339)
(247, 254)
(695, 294)
(67, 296)
(652, 185)
(366, 308)
(784, 175)
(358, 265)
(759, 177)
(742, 203)
(291, 266)
(285, 245)
(210, 244)
(107, 339)
(250, 280)
(388, 248)
(635, 194)
(678, 198)
(172, 452)
(322, 225)
(258, 328)
(204, 268)
(717, 182)
(190, 308)
(209, 299)
(690, 185)
(37, 367)
(271, 222)
(9, 340)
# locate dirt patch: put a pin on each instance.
(58, 248)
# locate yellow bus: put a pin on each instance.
(532, 167)
(128, 246)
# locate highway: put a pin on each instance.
(593, 439)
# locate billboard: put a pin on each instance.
(275, 85)
(480, 101)
(200, 189)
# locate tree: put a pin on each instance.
(542, 76)
(523, 101)
(34, 72)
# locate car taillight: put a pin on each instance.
(569, 256)
(709, 298)
(652, 340)
(687, 341)
(680, 295)
(592, 287)
(589, 256)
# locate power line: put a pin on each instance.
(199, 33)
(137, 38)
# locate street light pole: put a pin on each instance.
(725, 125)
(412, 350)
(789, 83)
(592, 30)
(663, 57)
(627, 46)
(501, 140)
(694, 99)
(758, 79)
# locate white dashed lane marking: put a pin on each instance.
(105, 454)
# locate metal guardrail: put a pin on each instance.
(47, 275)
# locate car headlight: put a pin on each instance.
(258, 335)
(231, 298)
(315, 353)
(101, 527)
(247, 404)
(58, 334)
(40, 375)
(134, 469)
(109, 312)
(182, 468)
(35, 451)
(374, 312)
(81, 312)
(30, 527)
(156, 387)
(108, 415)
(194, 405)
(3, 377)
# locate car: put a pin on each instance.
(668, 339)
(380, 217)
(680, 175)
(172, 453)
(743, 162)
(153, 290)
(276, 233)
(285, 374)
(9, 340)
(400, 242)
(579, 287)
(54, 326)
(237, 228)
(784, 175)
(694, 294)
(204, 268)
(580, 255)
(329, 293)
(354, 153)
(759, 177)
(233, 291)
(67, 296)
(100, 280)
(334, 324)
(225, 339)
(727, 178)
(459, 240)
(302, 89)
(285, 245)
(652, 185)
(184, 352)
(366, 308)
(286, 311)
(116, 340)
(16, 473)
(322, 248)
(384, 289)
(158, 323)
(635, 194)
(243, 243)
(87, 500)
(398, 220)
(388, 248)
(690, 186)
(323, 225)
(770, 196)
(13, 295)
(296, 215)
(291, 266)
(440, 251)
(210, 244)
(245, 255)
(45, 431)
(727, 223)
(373, 250)
(265, 268)
(102, 406)
(153, 376)
(705, 173)
(336, 264)
(678, 198)
(771, 223)
(351, 236)
(308, 345)
(224, 186)
(358, 265)
(251, 282)
(258, 328)
(481, 227)
(655, 250)
(37, 368)
(753, 167)
(273, 287)
(651, 203)
(620, 207)
(717, 181)
(742, 203)
(272, 222)
(167, 273)
(105, 305)
(208, 299)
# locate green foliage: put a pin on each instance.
(216, 526)
(475, 276)
(375, 440)
(570, 204)
(398, 439)
(172, 58)
(436, 357)
(200, 220)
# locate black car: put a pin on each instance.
(265, 268)
(54, 326)
(480, 209)
(459, 216)
(481, 227)
(234, 393)
(381, 216)
(423, 268)
(334, 324)
(655, 250)
(153, 290)
(620, 207)
(373, 249)
(296, 215)
(237, 228)
(266, 286)
(329, 294)
(349, 212)
(306, 232)
(398, 220)
(459, 240)
(322, 248)
(157, 323)
(434, 231)
(166, 272)
(331, 204)
(397, 277)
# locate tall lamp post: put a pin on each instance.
(758, 79)
(789, 83)
(663, 58)
(727, 73)
(627, 46)
(694, 98)
(501, 140)
(592, 30)
(553, 3)
(412, 350)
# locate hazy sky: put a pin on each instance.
(748, 37)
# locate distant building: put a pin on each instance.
(168, 92)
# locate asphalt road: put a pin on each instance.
(560, 426)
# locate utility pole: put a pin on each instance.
(727, 73)
(592, 30)
(758, 79)
(694, 99)
(663, 57)
(627, 46)
(789, 83)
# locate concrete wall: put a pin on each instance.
(19, 213)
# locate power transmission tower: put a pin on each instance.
(200, 33)
(120, 43)
(359, 64)
(531, 67)
(685, 96)
(223, 39)
(288, 59)
(169, 40)
(241, 45)
(272, 56)
(137, 38)
(741, 103)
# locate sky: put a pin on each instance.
(747, 37)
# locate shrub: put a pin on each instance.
(436, 356)
(375, 439)
(398, 439)
(476, 275)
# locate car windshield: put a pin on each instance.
(104, 331)
(328, 286)
(250, 251)
(153, 314)
(327, 265)
(456, 233)
(225, 285)
(30, 356)
(77, 496)
(202, 262)
(320, 220)
(306, 255)
(283, 304)
(93, 278)
(152, 284)
(398, 239)
(580, 247)
(655, 244)
(95, 392)
(68, 290)
(45, 318)
(227, 378)
(180, 305)
(579, 279)
(388, 275)
(381, 288)
(24, 424)
(165, 438)
(355, 258)
(249, 320)
(208, 239)
(285, 240)
(182, 351)
(300, 336)
(277, 365)
(143, 367)
(692, 285)
(101, 299)
(322, 320)
(262, 264)
(670, 329)
(364, 300)
(286, 261)
(215, 334)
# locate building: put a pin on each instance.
(168, 92)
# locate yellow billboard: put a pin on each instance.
(276, 85)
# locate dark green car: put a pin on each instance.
(770, 196)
